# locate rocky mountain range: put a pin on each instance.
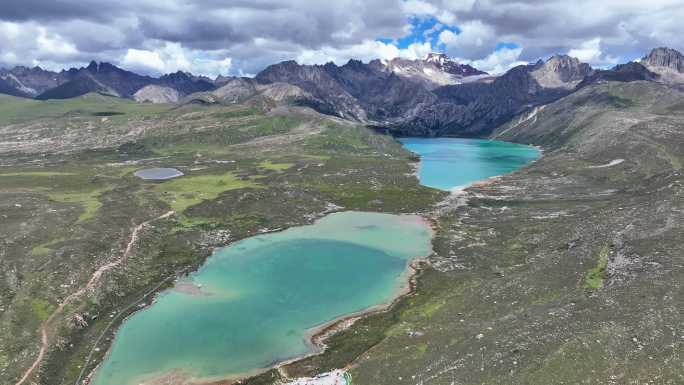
(102, 78)
(431, 96)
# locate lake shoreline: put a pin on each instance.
(317, 335)
(314, 337)
(138, 305)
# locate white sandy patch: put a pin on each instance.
(609, 164)
(336, 377)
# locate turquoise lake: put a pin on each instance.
(451, 163)
(252, 303)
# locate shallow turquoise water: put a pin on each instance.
(449, 163)
(259, 296)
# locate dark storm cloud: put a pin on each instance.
(308, 23)
(47, 10)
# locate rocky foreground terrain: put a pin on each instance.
(567, 271)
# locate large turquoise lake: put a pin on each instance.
(451, 163)
(252, 303)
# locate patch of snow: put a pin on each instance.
(23, 88)
(613, 162)
(524, 118)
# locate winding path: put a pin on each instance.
(91, 282)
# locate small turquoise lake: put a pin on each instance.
(252, 303)
(451, 163)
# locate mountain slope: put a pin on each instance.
(378, 93)
(568, 271)
(320, 82)
(80, 85)
(33, 81)
(474, 109)
(241, 90)
(8, 87)
(628, 72)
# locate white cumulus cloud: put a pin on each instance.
(498, 61)
(366, 51)
(475, 40)
(590, 52)
(172, 57)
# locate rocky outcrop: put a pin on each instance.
(283, 92)
(236, 90)
(628, 72)
(157, 94)
(664, 58)
(667, 63)
(561, 71)
(186, 83)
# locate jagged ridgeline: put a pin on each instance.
(428, 97)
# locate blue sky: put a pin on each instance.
(428, 29)
(423, 29)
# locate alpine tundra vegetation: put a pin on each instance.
(398, 205)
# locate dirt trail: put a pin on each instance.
(300, 132)
(91, 282)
